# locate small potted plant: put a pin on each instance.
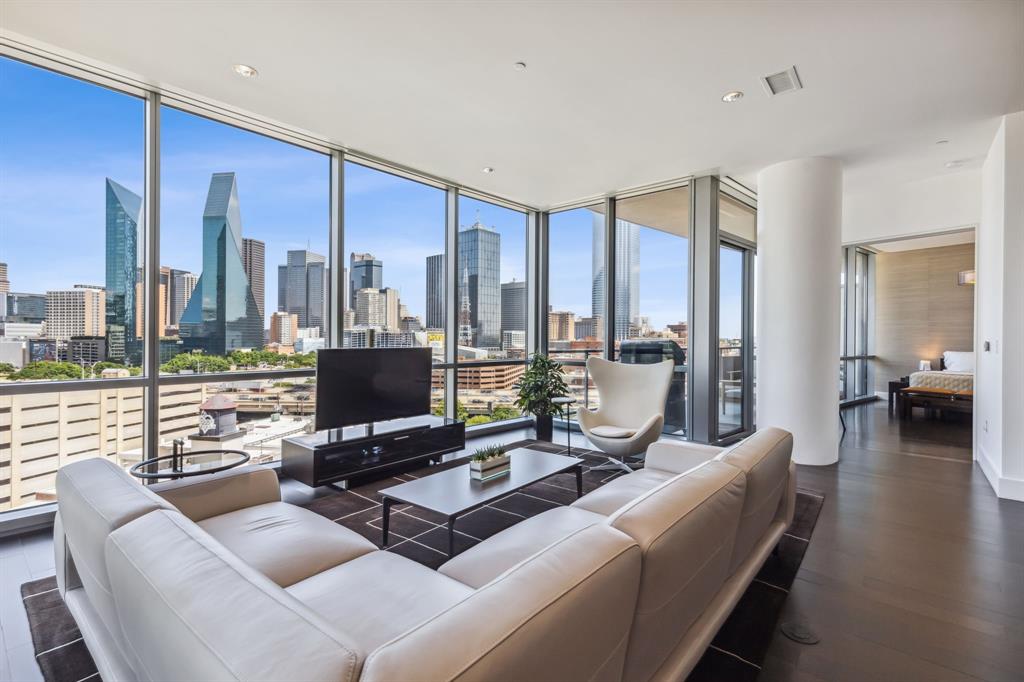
(542, 382)
(489, 462)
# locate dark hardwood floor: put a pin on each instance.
(915, 570)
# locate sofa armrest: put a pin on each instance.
(787, 505)
(677, 456)
(226, 491)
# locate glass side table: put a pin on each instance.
(178, 464)
(563, 404)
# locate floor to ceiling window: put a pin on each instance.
(737, 225)
(856, 309)
(394, 271)
(72, 273)
(244, 280)
(491, 305)
(651, 304)
(575, 316)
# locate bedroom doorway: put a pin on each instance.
(908, 311)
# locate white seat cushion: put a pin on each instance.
(484, 562)
(284, 542)
(379, 596)
(607, 499)
(608, 431)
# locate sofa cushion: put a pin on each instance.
(685, 528)
(764, 457)
(485, 561)
(563, 614)
(378, 596)
(96, 498)
(608, 431)
(192, 610)
(610, 497)
(284, 542)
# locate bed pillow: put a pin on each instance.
(959, 361)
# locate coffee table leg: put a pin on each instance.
(451, 536)
(579, 480)
(385, 520)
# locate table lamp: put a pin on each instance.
(925, 365)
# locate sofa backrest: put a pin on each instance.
(192, 610)
(765, 458)
(685, 528)
(96, 497)
(562, 614)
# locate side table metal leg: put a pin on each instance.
(385, 521)
(451, 536)
(579, 481)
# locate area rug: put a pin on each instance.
(736, 653)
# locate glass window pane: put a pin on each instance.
(730, 345)
(575, 305)
(71, 230)
(651, 287)
(394, 275)
(54, 429)
(263, 412)
(736, 218)
(245, 227)
(492, 281)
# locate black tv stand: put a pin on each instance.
(361, 453)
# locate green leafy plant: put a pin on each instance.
(487, 453)
(542, 382)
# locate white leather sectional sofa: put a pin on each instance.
(218, 579)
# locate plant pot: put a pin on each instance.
(491, 468)
(545, 427)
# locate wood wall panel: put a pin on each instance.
(920, 310)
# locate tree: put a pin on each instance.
(46, 369)
(478, 419)
(461, 413)
(195, 362)
(503, 412)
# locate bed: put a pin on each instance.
(956, 373)
(951, 388)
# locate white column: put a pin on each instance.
(799, 246)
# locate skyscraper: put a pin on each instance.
(284, 328)
(513, 306)
(80, 311)
(254, 264)
(435, 292)
(627, 275)
(221, 316)
(480, 264)
(365, 272)
(561, 325)
(370, 308)
(182, 283)
(124, 251)
(5, 284)
(302, 288)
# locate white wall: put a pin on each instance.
(999, 391)
(944, 202)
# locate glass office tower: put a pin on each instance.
(480, 263)
(627, 274)
(222, 314)
(435, 292)
(124, 250)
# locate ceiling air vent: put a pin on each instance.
(783, 81)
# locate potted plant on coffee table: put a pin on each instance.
(542, 382)
(489, 462)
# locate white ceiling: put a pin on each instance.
(929, 242)
(616, 94)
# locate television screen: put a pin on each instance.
(364, 385)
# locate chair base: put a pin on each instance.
(616, 465)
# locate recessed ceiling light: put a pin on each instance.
(487, 169)
(734, 96)
(520, 66)
(941, 141)
(246, 71)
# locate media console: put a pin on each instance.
(361, 452)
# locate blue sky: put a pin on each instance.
(60, 138)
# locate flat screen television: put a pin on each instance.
(365, 385)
